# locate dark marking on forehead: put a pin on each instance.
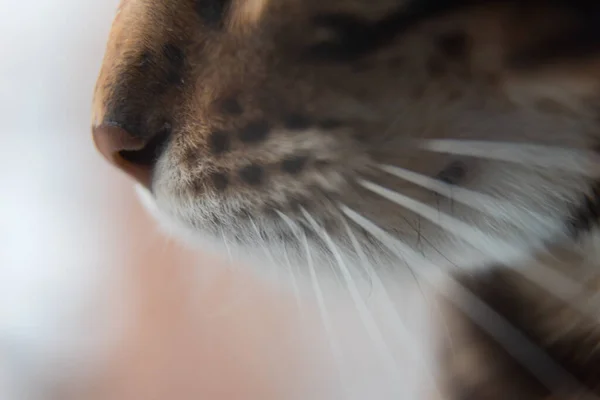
(454, 44)
(355, 37)
(579, 41)
(219, 180)
(254, 132)
(219, 142)
(294, 165)
(296, 122)
(211, 12)
(230, 106)
(252, 174)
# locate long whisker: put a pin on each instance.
(266, 250)
(226, 244)
(560, 287)
(554, 282)
(472, 235)
(489, 205)
(288, 266)
(578, 161)
(363, 312)
(549, 279)
(401, 330)
(294, 280)
(325, 317)
(433, 304)
(548, 372)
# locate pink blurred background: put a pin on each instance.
(95, 303)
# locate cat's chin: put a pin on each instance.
(267, 259)
(167, 224)
(146, 199)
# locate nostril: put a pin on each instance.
(134, 155)
(149, 154)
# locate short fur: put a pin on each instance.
(281, 122)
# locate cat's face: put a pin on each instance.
(462, 132)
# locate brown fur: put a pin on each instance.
(568, 335)
(249, 105)
(258, 69)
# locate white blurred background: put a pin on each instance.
(94, 302)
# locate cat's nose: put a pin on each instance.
(133, 154)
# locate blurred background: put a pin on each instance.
(97, 303)
(94, 301)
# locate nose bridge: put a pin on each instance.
(138, 86)
(143, 66)
(139, 93)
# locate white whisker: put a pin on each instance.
(578, 161)
(294, 280)
(400, 329)
(548, 372)
(474, 236)
(288, 266)
(227, 248)
(555, 282)
(363, 312)
(549, 279)
(489, 205)
(266, 250)
(325, 317)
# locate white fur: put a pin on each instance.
(395, 306)
(359, 288)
